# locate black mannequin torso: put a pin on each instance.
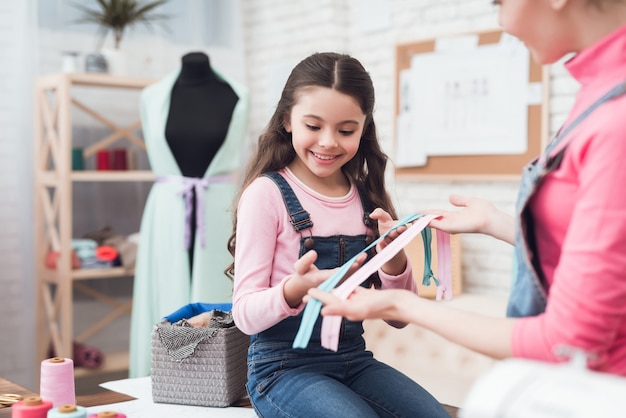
(201, 107)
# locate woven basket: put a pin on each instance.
(213, 375)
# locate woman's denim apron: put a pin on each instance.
(529, 290)
(311, 382)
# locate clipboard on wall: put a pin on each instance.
(470, 165)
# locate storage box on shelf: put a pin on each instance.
(54, 179)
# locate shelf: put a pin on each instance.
(51, 178)
(110, 273)
(111, 176)
(94, 80)
(53, 276)
(56, 99)
(113, 362)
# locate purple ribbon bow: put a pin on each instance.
(200, 185)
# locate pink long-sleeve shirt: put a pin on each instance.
(267, 247)
(580, 224)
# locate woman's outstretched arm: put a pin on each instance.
(483, 334)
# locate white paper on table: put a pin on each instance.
(144, 407)
(140, 387)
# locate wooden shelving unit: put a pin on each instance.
(54, 178)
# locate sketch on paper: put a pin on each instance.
(464, 102)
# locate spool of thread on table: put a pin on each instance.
(31, 407)
(107, 414)
(68, 411)
(57, 381)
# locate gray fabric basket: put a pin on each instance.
(213, 373)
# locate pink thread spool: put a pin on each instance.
(107, 414)
(31, 407)
(57, 381)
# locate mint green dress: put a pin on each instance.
(163, 280)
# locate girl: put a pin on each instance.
(570, 229)
(307, 194)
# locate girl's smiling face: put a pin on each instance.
(326, 128)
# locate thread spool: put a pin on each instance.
(78, 160)
(119, 159)
(103, 160)
(31, 407)
(57, 381)
(131, 159)
(107, 414)
(68, 411)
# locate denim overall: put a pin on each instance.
(529, 290)
(316, 382)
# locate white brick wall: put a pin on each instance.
(16, 274)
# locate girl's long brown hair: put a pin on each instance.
(346, 75)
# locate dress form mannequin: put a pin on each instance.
(200, 110)
(206, 134)
(201, 107)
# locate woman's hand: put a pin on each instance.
(364, 303)
(473, 217)
(476, 215)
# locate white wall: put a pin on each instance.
(18, 51)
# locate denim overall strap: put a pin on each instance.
(300, 218)
(367, 208)
(528, 292)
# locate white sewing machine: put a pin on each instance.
(522, 388)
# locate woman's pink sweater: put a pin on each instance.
(580, 224)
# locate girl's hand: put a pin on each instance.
(385, 223)
(307, 276)
(397, 264)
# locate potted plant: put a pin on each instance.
(116, 16)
